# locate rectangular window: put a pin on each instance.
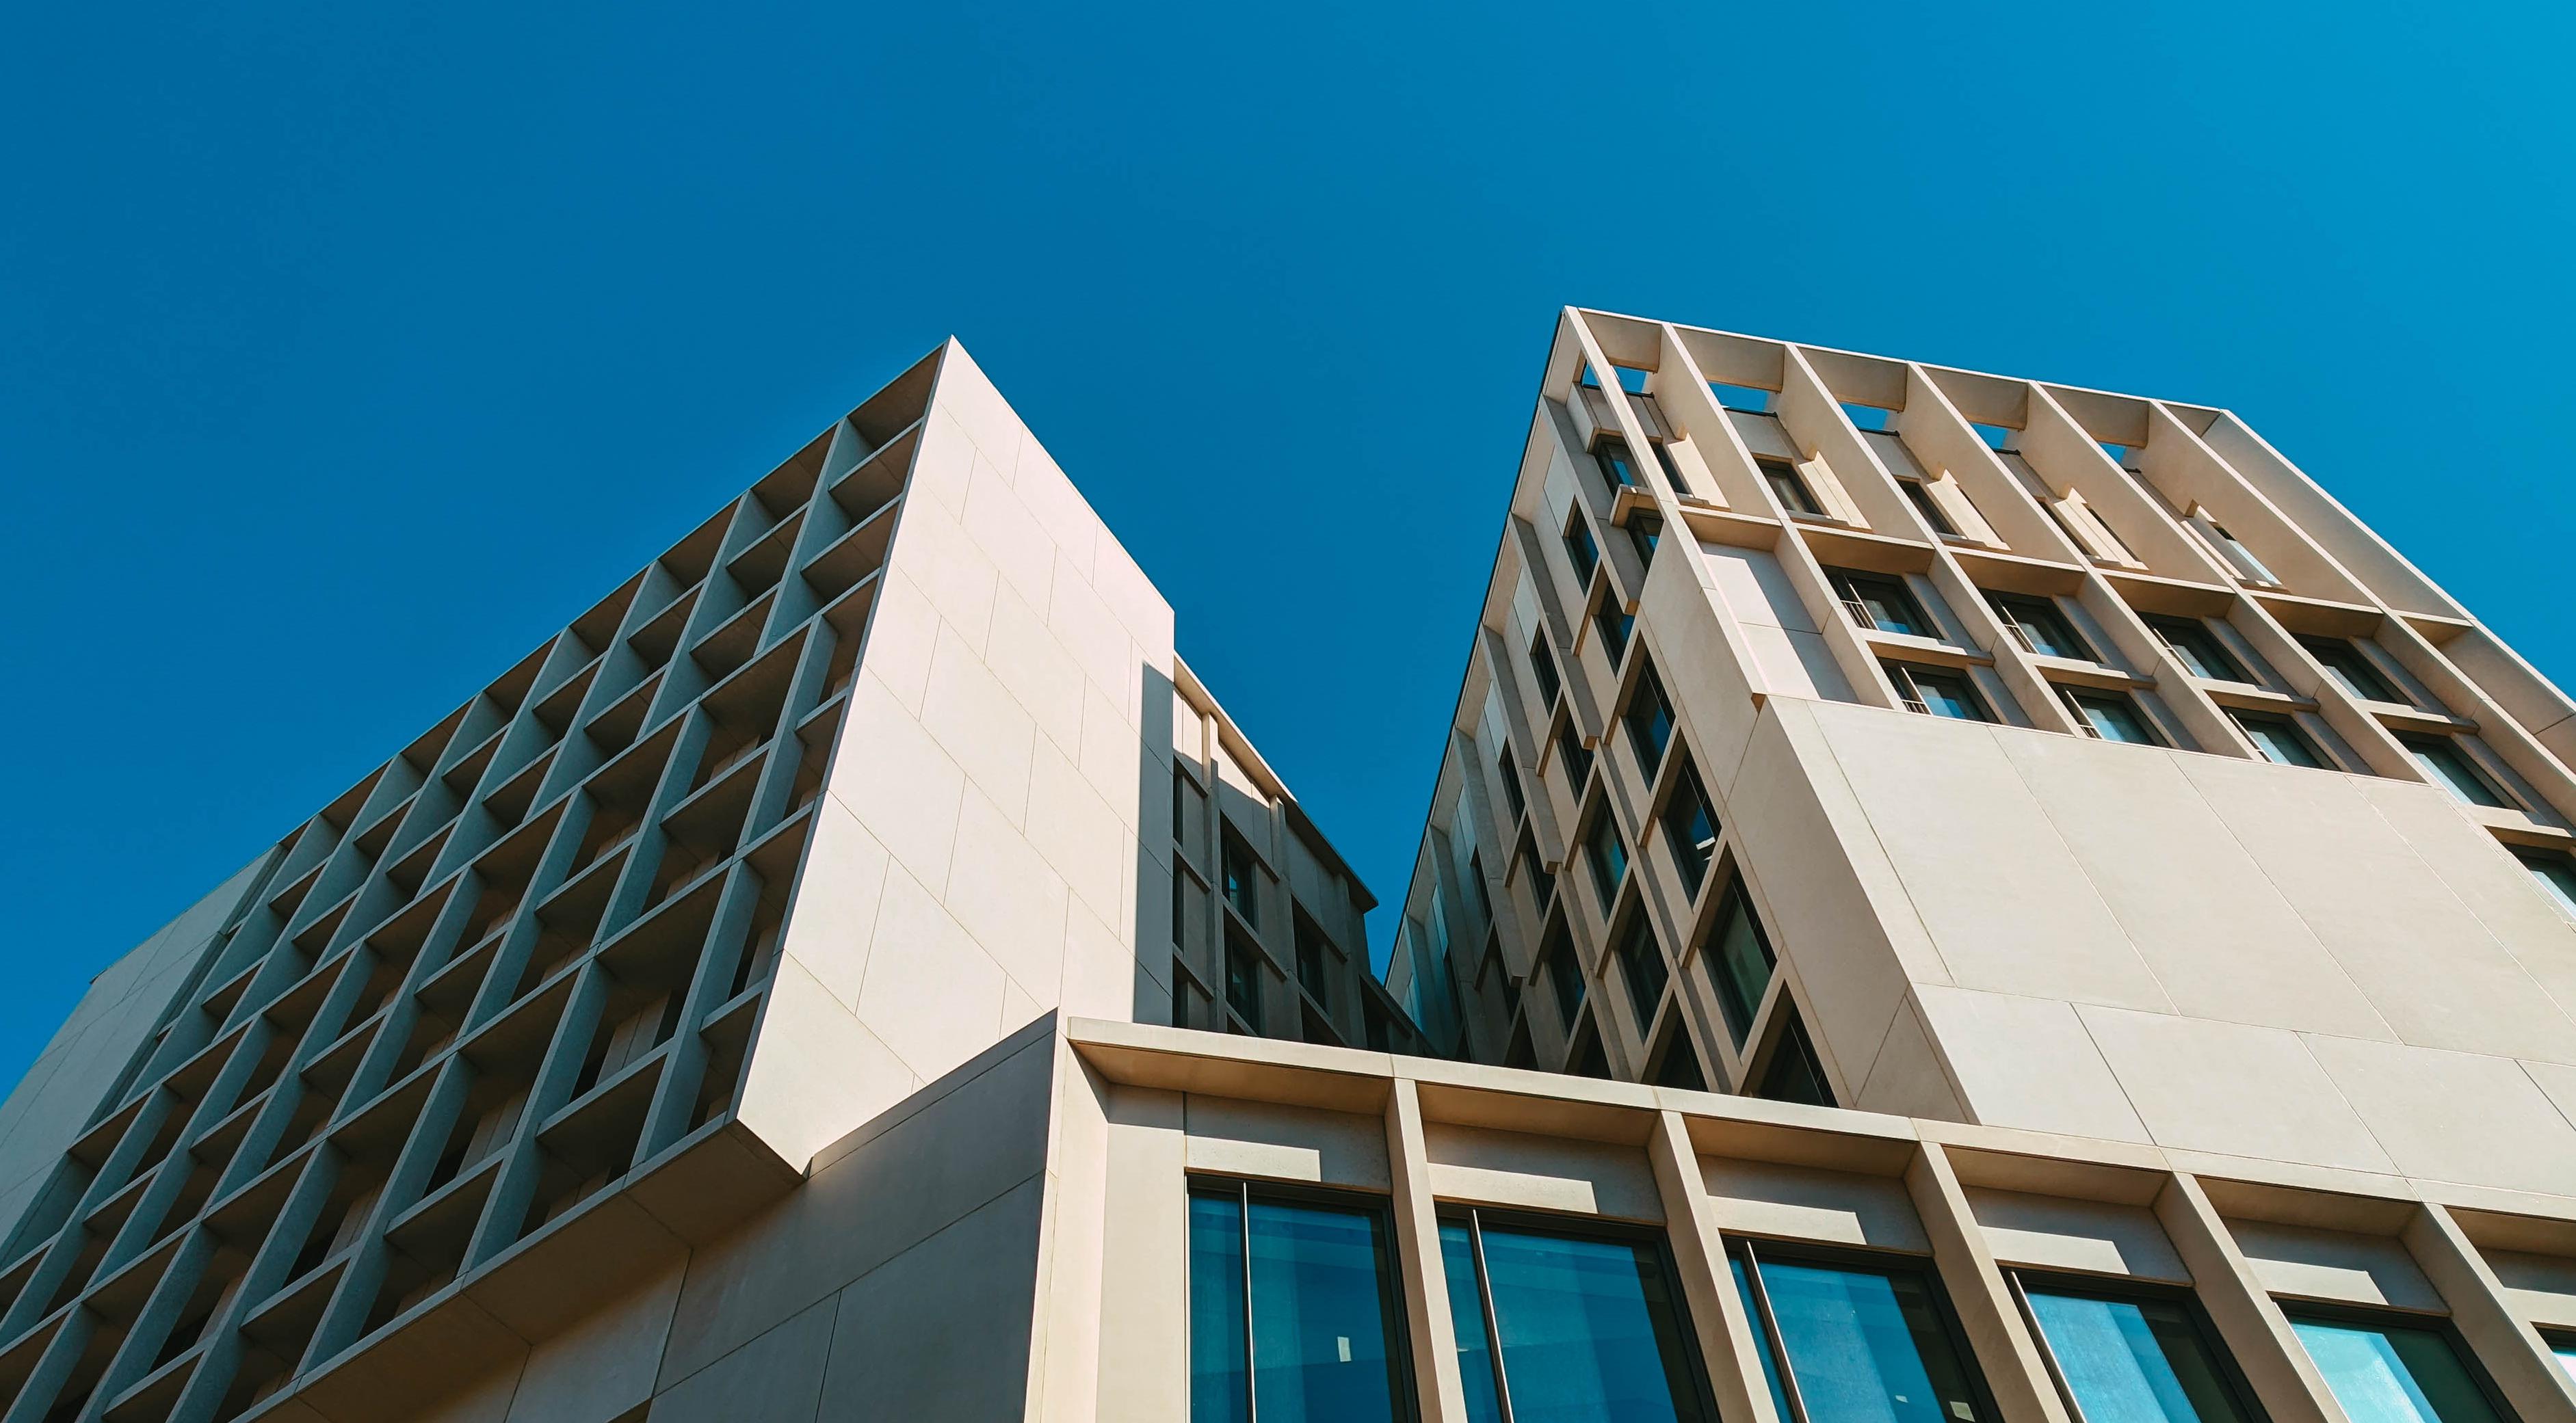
(1925, 505)
(1641, 962)
(2040, 628)
(1617, 465)
(1788, 487)
(1672, 471)
(1293, 1313)
(2133, 1356)
(2198, 649)
(1650, 720)
(1542, 884)
(1314, 960)
(2446, 765)
(1794, 1073)
(1242, 885)
(1543, 669)
(1509, 772)
(2279, 740)
(1739, 959)
(1243, 980)
(2393, 1373)
(1849, 1336)
(2351, 669)
(1607, 854)
(1937, 691)
(2229, 549)
(1556, 956)
(1478, 897)
(1878, 601)
(2556, 876)
(1690, 826)
(1615, 624)
(1580, 549)
(1576, 756)
(2110, 716)
(1644, 531)
(1572, 1327)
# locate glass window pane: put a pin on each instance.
(1467, 1323)
(2450, 768)
(2556, 875)
(2113, 717)
(1217, 1391)
(1590, 1331)
(1319, 1326)
(2393, 1373)
(1741, 959)
(2563, 1348)
(2279, 741)
(1770, 1366)
(1865, 1346)
(2133, 1361)
(1946, 694)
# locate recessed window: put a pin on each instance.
(1649, 719)
(2133, 1355)
(1582, 1326)
(1542, 884)
(1879, 601)
(1856, 1338)
(1794, 1074)
(2555, 874)
(2447, 765)
(2198, 649)
(1607, 854)
(1509, 773)
(1641, 962)
(1789, 487)
(1580, 549)
(1614, 623)
(1937, 691)
(1576, 756)
(1617, 465)
(1314, 958)
(1293, 1312)
(1672, 471)
(1564, 975)
(2279, 740)
(1589, 1060)
(1543, 669)
(1739, 959)
(1924, 504)
(1478, 898)
(2351, 669)
(1644, 532)
(2402, 1373)
(1677, 1065)
(1243, 979)
(1242, 882)
(1750, 399)
(2040, 628)
(2110, 716)
(1690, 826)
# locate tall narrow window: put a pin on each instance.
(2198, 649)
(1881, 602)
(1580, 550)
(1292, 1310)
(1852, 1338)
(2279, 739)
(1478, 897)
(1795, 1073)
(1672, 471)
(1788, 487)
(1678, 1065)
(1509, 772)
(2133, 1357)
(1543, 668)
(1739, 959)
(1576, 756)
(1556, 955)
(2387, 1372)
(1243, 979)
(1690, 826)
(1542, 884)
(2110, 716)
(2352, 669)
(1607, 854)
(1641, 962)
(1615, 623)
(2229, 549)
(1644, 531)
(2038, 626)
(1617, 465)
(1568, 1327)
(1649, 719)
(1924, 504)
(1242, 879)
(1314, 959)
(1937, 691)
(2451, 768)
(2556, 876)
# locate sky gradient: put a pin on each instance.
(352, 349)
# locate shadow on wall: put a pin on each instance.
(1153, 918)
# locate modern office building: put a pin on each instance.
(1871, 968)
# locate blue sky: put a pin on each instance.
(348, 350)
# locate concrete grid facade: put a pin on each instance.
(858, 971)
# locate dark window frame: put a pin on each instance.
(2361, 1316)
(1901, 675)
(2011, 608)
(2073, 697)
(1751, 1251)
(1848, 584)
(2114, 1287)
(1581, 549)
(1393, 1311)
(2166, 626)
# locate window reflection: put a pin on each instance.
(1861, 1342)
(1311, 1341)
(2132, 1359)
(1591, 1328)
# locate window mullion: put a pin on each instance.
(1773, 1341)
(1493, 1324)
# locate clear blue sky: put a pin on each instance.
(348, 350)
